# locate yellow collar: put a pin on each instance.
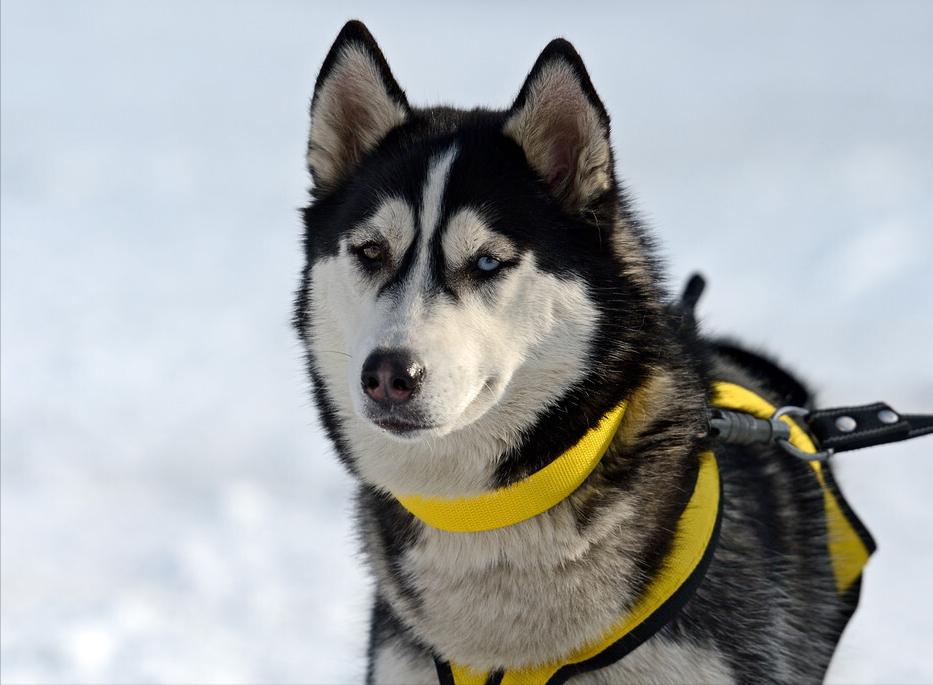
(522, 500)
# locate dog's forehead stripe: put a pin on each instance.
(432, 200)
(430, 216)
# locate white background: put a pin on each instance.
(170, 510)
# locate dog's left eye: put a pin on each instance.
(487, 263)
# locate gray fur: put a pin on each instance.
(503, 360)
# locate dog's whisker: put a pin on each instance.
(348, 356)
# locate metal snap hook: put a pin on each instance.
(821, 455)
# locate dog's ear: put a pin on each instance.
(356, 103)
(563, 127)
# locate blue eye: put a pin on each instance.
(487, 263)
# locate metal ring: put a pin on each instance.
(789, 410)
(821, 455)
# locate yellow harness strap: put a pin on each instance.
(847, 550)
(695, 532)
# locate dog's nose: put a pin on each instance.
(390, 377)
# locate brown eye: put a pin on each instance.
(372, 252)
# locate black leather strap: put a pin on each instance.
(851, 428)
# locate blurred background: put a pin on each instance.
(170, 510)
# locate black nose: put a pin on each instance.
(390, 377)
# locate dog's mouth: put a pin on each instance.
(409, 421)
(401, 428)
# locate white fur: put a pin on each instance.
(393, 666)
(518, 595)
(433, 196)
(492, 361)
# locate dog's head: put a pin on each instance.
(467, 270)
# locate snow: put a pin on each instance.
(169, 508)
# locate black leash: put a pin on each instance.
(833, 430)
(851, 428)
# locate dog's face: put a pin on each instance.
(453, 256)
(442, 312)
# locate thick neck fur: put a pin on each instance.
(489, 599)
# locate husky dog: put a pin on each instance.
(478, 297)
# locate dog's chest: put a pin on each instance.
(478, 606)
(523, 595)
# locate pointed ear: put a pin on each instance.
(563, 127)
(356, 103)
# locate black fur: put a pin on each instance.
(768, 604)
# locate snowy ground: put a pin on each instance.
(170, 511)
